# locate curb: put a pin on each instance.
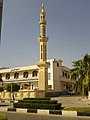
(43, 111)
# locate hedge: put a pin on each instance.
(38, 106)
(39, 101)
(46, 98)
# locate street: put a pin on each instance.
(28, 116)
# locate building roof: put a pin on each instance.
(24, 68)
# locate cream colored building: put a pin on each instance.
(28, 76)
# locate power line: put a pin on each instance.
(55, 47)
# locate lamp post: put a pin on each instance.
(11, 92)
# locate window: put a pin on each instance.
(50, 87)
(41, 17)
(25, 74)
(7, 76)
(49, 76)
(34, 74)
(57, 64)
(16, 75)
(41, 55)
(43, 31)
(63, 74)
(66, 75)
(0, 76)
(41, 47)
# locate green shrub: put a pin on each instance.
(39, 101)
(46, 98)
(38, 106)
(14, 87)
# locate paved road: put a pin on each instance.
(23, 116)
(73, 101)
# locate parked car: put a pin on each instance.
(70, 92)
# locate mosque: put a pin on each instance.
(45, 76)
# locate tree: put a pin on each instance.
(81, 73)
(12, 87)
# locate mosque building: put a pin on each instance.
(45, 75)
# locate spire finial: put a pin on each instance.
(42, 7)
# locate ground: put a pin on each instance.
(72, 101)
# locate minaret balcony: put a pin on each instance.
(42, 39)
(42, 22)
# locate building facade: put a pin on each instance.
(28, 77)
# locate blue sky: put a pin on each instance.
(68, 28)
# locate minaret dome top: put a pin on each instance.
(42, 8)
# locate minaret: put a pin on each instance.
(43, 65)
(42, 37)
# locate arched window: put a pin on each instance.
(41, 47)
(7, 76)
(63, 74)
(34, 74)
(0, 76)
(16, 75)
(25, 75)
(57, 64)
(41, 55)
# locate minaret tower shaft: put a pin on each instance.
(42, 64)
(42, 37)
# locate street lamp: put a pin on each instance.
(11, 92)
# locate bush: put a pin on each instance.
(46, 98)
(39, 101)
(38, 106)
(14, 87)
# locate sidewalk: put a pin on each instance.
(72, 101)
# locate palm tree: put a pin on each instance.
(81, 72)
(77, 74)
(86, 81)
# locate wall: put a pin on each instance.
(21, 94)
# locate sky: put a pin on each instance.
(68, 28)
